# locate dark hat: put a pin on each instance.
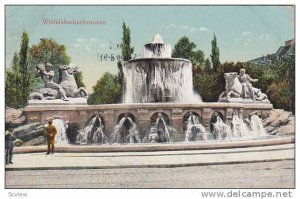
(10, 130)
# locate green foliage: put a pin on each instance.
(120, 75)
(215, 54)
(280, 95)
(23, 53)
(109, 87)
(38, 83)
(184, 49)
(79, 79)
(276, 79)
(26, 77)
(106, 90)
(207, 65)
(127, 50)
(205, 85)
(13, 94)
(198, 58)
(18, 79)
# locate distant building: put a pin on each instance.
(288, 48)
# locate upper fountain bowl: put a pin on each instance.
(157, 48)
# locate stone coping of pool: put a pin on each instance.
(71, 101)
(67, 106)
(241, 100)
(144, 147)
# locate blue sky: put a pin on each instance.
(243, 32)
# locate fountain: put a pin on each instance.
(220, 130)
(257, 126)
(92, 133)
(239, 128)
(160, 106)
(157, 77)
(192, 127)
(126, 131)
(61, 127)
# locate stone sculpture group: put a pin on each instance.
(239, 86)
(66, 88)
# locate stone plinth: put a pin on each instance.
(242, 100)
(58, 102)
(142, 113)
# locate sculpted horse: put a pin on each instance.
(235, 89)
(233, 86)
(68, 82)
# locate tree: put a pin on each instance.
(79, 79)
(207, 66)
(26, 77)
(18, 78)
(49, 51)
(13, 94)
(198, 58)
(109, 87)
(127, 50)
(106, 90)
(277, 79)
(120, 75)
(215, 54)
(23, 53)
(184, 49)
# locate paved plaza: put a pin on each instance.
(252, 167)
(278, 174)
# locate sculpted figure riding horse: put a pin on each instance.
(239, 86)
(66, 87)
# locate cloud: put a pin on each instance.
(203, 29)
(172, 26)
(246, 33)
(81, 40)
(93, 39)
(263, 36)
(247, 38)
(90, 44)
(185, 27)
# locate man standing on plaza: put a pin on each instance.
(50, 132)
(9, 146)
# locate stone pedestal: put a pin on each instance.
(206, 117)
(177, 119)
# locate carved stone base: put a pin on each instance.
(142, 113)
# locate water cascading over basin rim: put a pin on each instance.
(158, 59)
(157, 77)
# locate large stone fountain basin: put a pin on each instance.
(142, 113)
